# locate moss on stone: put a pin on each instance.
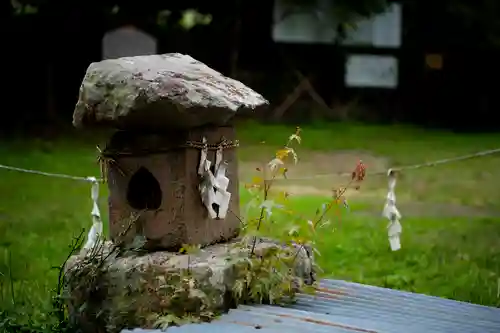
(111, 289)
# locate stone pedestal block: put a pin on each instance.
(130, 289)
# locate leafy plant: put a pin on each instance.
(272, 275)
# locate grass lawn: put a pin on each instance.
(451, 232)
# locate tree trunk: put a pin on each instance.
(51, 101)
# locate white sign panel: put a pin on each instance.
(303, 25)
(383, 30)
(371, 71)
(127, 42)
(315, 24)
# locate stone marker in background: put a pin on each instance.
(127, 41)
(169, 109)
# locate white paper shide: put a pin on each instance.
(213, 187)
(392, 213)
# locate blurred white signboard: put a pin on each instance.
(371, 71)
(315, 24)
(383, 30)
(127, 41)
(303, 25)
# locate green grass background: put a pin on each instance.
(450, 256)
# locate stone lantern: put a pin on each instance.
(171, 164)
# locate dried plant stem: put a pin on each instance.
(330, 205)
(267, 186)
(322, 216)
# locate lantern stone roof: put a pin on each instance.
(157, 92)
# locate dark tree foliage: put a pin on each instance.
(346, 9)
(472, 20)
(464, 23)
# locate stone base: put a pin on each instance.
(130, 290)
